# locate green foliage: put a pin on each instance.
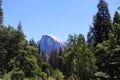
(32, 42)
(43, 76)
(101, 24)
(1, 13)
(15, 53)
(20, 60)
(8, 48)
(15, 74)
(28, 63)
(107, 54)
(78, 60)
(54, 59)
(116, 18)
(57, 73)
(44, 66)
(60, 62)
(31, 50)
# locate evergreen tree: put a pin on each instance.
(1, 13)
(116, 18)
(108, 55)
(90, 41)
(78, 60)
(101, 24)
(32, 42)
(54, 59)
(19, 28)
(107, 52)
(60, 64)
(16, 55)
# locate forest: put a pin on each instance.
(97, 58)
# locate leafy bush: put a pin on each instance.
(14, 75)
(57, 73)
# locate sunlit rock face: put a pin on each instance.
(50, 43)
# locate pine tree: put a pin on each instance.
(90, 41)
(101, 24)
(32, 42)
(78, 60)
(108, 55)
(54, 59)
(116, 18)
(60, 64)
(1, 13)
(19, 26)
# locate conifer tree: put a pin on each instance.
(78, 60)
(90, 41)
(116, 18)
(60, 64)
(19, 26)
(32, 42)
(101, 24)
(108, 55)
(1, 13)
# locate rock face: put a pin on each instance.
(49, 43)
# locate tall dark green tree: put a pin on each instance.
(1, 13)
(101, 24)
(16, 55)
(54, 59)
(107, 52)
(60, 64)
(108, 55)
(90, 40)
(78, 60)
(32, 42)
(116, 18)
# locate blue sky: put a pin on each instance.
(57, 17)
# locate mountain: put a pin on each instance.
(49, 43)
